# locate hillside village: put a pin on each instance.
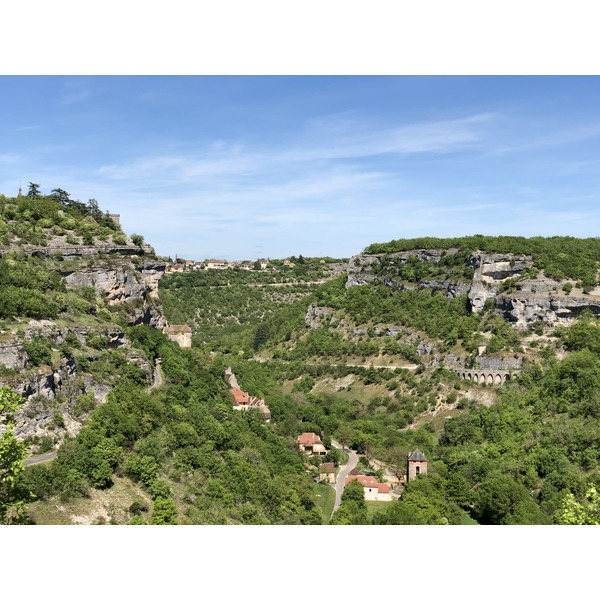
(183, 265)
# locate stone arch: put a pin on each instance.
(470, 376)
(507, 377)
(490, 379)
(498, 379)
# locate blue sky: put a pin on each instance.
(241, 167)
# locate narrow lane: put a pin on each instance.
(341, 478)
(34, 460)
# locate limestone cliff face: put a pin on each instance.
(490, 271)
(528, 301)
(127, 281)
(123, 282)
(358, 269)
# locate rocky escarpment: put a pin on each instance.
(126, 281)
(489, 271)
(52, 391)
(530, 298)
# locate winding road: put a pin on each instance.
(341, 477)
(158, 380)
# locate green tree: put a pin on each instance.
(261, 336)
(14, 497)
(34, 190)
(343, 435)
(60, 196)
(164, 512)
(573, 512)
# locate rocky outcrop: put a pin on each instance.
(432, 256)
(128, 282)
(56, 246)
(123, 282)
(356, 267)
(523, 310)
(450, 288)
(13, 355)
(315, 316)
(490, 271)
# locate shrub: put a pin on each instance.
(38, 351)
(58, 419)
(138, 507)
(138, 240)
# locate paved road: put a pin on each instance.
(158, 380)
(341, 478)
(34, 460)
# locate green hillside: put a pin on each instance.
(372, 353)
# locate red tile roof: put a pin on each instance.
(327, 468)
(239, 397)
(369, 481)
(309, 438)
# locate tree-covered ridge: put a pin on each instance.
(36, 219)
(560, 257)
(199, 460)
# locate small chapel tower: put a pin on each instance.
(417, 465)
(20, 194)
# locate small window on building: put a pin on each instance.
(417, 470)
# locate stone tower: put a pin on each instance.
(417, 465)
(20, 194)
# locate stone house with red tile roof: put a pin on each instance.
(311, 443)
(242, 400)
(327, 472)
(373, 489)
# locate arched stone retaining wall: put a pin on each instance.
(486, 376)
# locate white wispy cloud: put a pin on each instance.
(350, 140)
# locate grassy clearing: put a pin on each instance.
(374, 507)
(110, 506)
(325, 500)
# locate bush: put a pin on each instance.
(38, 351)
(58, 419)
(138, 240)
(138, 507)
